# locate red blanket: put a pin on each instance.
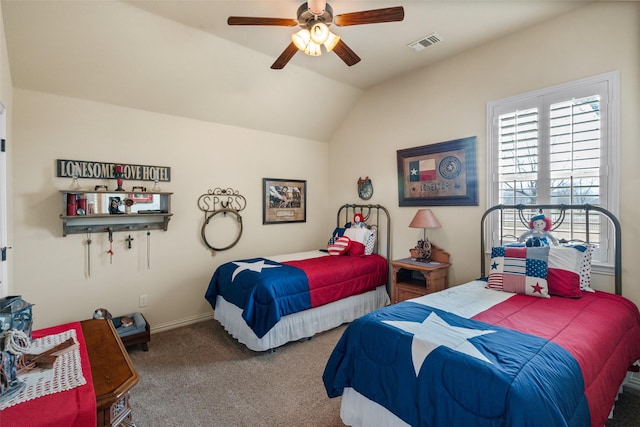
(333, 278)
(600, 330)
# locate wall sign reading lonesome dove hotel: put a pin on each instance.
(104, 170)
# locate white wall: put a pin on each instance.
(6, 97)
(448, 101)
(49, 268)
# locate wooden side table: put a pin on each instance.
(412, 279)
(113, 372)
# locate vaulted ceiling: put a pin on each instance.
(180, 57)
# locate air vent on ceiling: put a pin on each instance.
(424, 42)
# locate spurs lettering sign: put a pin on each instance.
(102, 170)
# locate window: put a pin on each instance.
(557, 146)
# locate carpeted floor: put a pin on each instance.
(200, 376)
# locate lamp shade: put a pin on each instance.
(424, 218)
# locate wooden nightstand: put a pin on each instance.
(411, 279)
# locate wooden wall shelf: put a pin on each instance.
(151, 211)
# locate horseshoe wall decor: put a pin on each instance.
(221, 201)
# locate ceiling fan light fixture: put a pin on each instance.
(331, 42)
(304, 42)
(319, 33)
(313, 49)
(301, 39)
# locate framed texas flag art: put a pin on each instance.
(442, 174)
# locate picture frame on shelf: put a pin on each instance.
(284, 201)
(441, 174)
(141, 197)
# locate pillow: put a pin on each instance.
(359, 237)
(338, 232)
(563, 275)
(370, 243)
(519, 270)
(340, 247)
(585, 263)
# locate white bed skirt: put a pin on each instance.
(299, 325)
(359, 411)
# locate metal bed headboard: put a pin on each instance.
(562, 208)
(371, 215)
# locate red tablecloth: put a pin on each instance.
(75, 407)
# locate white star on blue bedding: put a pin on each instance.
(434, 332)
(256, 266)
(431, 367)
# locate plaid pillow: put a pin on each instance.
(519, 270)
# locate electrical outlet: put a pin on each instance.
(143, 300)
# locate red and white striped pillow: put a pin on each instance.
(340, 247)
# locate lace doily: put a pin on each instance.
(65, 375)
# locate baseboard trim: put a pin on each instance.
(179, 323)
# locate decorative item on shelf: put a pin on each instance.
(139, 188)
(72, 204)
(100, 188)
(424, 219)
(75, 185)
(119, 174)
(156, 186)
(82, 205)
(127, 205)
(114, 205)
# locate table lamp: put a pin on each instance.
(424, 219)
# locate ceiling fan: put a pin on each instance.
(315, 17)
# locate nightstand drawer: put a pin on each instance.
(405, 292)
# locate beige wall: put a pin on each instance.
(449, 101)
(49, 268)
(444, 102)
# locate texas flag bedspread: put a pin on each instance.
(267, 290)
(526, 361)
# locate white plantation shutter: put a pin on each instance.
(557, 146)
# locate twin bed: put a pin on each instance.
(516, 347)
(519, 348)
(267, 302)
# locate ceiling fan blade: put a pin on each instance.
(346, 54)
(285, 57)
(376, 16)
(248, 20)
